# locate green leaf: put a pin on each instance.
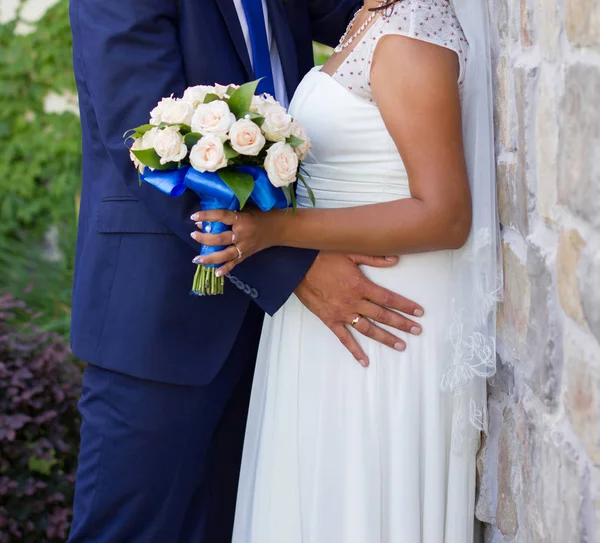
(139, 131)
(311, 194)
(294, 202)
(256, 118)
(294, 142)
(191, 139)
(242, 184)
(287, 193)
(211, 98)
(41, 465)
(150, 158)
(241, 99)
(183, 128)
(230, 152)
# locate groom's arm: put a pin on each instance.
(329, 19)
(127, 57)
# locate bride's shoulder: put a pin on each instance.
(433, 21)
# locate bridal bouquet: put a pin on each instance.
(226, 144)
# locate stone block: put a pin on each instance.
(583, 22)
(546, 145)
(582, 394)
(512, 197)
(589, 287)
(544, 335)
(504, 105)
(506, 511)
(513, 314)
(579, 143)
(549, 25)
(570, 245)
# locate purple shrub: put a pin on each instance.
(39, 431)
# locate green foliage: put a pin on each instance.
(40, 157)
(321, 53)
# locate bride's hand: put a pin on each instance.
(252, 231)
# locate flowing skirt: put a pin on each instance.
(336, 453)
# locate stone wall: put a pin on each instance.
(540, 465)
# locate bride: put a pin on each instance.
(382, 451)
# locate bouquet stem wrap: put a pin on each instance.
(214, 193)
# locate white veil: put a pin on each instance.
(477, 267)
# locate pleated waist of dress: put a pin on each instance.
(335, 186)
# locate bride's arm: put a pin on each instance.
(415, 87)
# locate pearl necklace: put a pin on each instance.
(345, 41)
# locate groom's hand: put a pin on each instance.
(337, 292)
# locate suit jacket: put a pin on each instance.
(132, 311)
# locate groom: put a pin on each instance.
(166, 389)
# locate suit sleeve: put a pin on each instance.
(329, 19)
(127, 57)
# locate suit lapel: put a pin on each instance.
(285, 44)
(235, 30)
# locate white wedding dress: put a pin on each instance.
(336, 453)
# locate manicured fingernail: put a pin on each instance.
(363, 363)
(195, 216)
(193, 235)
(415, 330)
(198, 260)
(199, 224)
(400, 346)
(218, 273)
(418, 313)
(390, 258)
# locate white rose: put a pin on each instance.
(261, 103)
(221, 90)
(208, 155)
(281, 164)
(277, 125)
(142, 143)
(173, 111)
(196, 95)
(300, 132)
(169, 145)
(247, 138)
(214, 118)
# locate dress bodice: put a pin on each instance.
(354, 160)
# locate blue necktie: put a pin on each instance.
(260, 45)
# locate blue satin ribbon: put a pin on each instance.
(215, 194)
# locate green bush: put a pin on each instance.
(40, 163)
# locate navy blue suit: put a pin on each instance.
(167, 385)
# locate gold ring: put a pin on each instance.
(236, 216)
(355, 321)
(240, 254)
(233, 238)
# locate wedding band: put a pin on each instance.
(233, 238)
(355, 321)
(240, 254)
(236, 216)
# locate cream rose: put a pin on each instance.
(141, 144)
(214, 118)
(169, 145)
(277, 125)
(261, 103)
(196, 95)
(221, 90)
(281, 164)
(172, 111)
(208, 155)
(300, 132)
(246, 138)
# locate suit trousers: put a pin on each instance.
(159, 463)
